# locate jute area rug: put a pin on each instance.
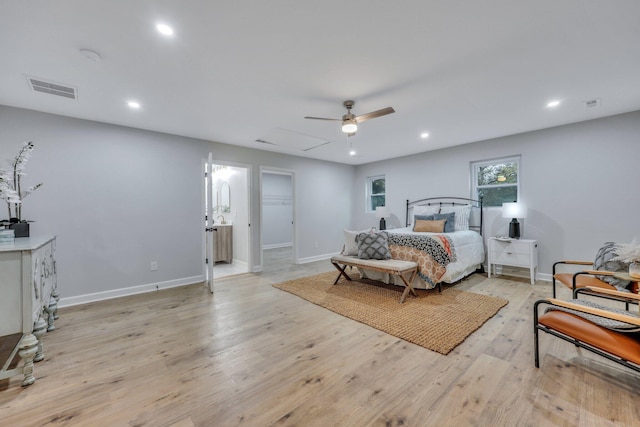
(433, 320)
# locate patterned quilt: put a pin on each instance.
(432, 254)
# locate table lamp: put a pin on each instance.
(514, 210)
(382, 212)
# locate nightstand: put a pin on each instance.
(515, 253)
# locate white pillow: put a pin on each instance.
(350, 244)
(423, 210)
(462, 215)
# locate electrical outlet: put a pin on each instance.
(154, 265)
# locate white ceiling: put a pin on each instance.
(238, 71)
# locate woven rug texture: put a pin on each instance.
(433, 320)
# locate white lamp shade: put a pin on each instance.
(514, 210)
(382, 212)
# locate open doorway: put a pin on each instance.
(277, 209)
(229, 195)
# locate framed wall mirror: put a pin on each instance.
(224, 198)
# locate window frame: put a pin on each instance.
(370, 194)
(475, 165)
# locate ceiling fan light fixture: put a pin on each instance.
(349, 126)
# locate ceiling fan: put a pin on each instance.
(350, 121)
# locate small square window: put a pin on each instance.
(496, 181)
(375, 192)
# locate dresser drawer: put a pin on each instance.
(515, 253)
(513, 247)
(510, 258)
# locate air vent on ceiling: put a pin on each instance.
(592, 103)
(291, 140)
(262, 141)
(40, 85)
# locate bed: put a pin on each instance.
(443, 257)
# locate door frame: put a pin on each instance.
(250, 238)
(294, 207)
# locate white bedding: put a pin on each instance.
(467, 246)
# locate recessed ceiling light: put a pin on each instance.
(352, 152)
(91, 55)
(133, 104)
(552, 104)
(424, 135)
(164, 29)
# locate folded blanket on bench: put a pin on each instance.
(614, 325)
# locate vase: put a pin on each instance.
(634, 270)
(20, 228)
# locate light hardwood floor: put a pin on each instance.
(252, 355)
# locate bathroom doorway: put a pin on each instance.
(229, 194)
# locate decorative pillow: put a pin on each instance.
(433, 226)
(450, 225)
(350, 244)
(462, 215)
(373, 245)
(425, 210)
(603, 262)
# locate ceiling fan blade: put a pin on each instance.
(374, 114)
(322, 118)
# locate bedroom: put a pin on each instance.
(91, 271)
(120, 197)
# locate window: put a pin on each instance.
(496, 181)
(375, 192)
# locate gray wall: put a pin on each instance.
(119, 198)
(578, 182)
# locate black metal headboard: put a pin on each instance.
(448, 201)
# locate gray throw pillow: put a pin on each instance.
(603, 262)
(373, 245)
(450, 225)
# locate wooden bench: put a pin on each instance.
(391, 266)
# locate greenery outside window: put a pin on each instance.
(496, 181)
(375, 192)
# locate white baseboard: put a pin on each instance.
(546, 277)
(278, 245)
(133, 290)
(241, 264)
(316, 258)
(521, 272)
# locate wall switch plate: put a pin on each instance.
(154, 265)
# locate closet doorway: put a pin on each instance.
(277, 226)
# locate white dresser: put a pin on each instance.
(28, 298)
(513, 252)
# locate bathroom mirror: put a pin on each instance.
(224, 198)
(214, 197)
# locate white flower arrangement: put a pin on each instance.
(11, 190)
(627, 252)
